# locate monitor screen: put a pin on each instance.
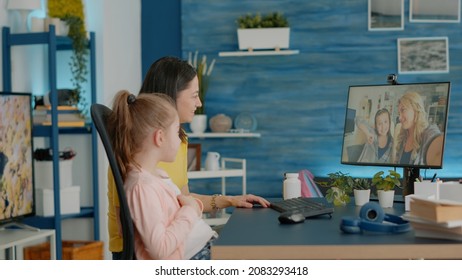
(400, 125)
(16, 162)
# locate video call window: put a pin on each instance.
(396, 125)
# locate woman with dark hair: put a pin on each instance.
(177, 79)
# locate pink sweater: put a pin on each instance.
(161, 225)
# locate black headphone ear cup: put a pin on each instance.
(372, 212)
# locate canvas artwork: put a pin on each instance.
(434, 11)
(423, 55)
(16, 185)
(385, 15)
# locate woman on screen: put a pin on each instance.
(379, 142)
(418, 142)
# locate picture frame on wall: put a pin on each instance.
(434, 11)
(385, 15)
(194, 157)
(423, 55)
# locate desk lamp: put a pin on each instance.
(24, 7)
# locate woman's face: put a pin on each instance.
(188, 100)
(382, 124)
(406, 116)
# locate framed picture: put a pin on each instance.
(423, 55)
(194, 157)
(434, 11)
(385, 15)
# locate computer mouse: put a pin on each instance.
(291, 217)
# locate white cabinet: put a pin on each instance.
(225, 172)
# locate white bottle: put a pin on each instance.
(292, 186)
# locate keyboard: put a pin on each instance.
(308, 206)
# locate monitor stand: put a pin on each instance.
(410, 174)
(18, 225)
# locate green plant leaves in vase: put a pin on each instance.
(270, 20)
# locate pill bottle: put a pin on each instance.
(292, 186)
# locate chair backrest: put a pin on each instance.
(99, 115)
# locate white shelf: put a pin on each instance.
(205, 174)
(259, 53)
(224, 135)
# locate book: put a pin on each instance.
(42, 115)
(448, 224)
(436, 210)
(436, 228)
(429, 229)
(437, 234)
(67, 123)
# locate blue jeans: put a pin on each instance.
(204, 253)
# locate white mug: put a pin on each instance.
(212, 161)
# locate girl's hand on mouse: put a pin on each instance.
(186, 200)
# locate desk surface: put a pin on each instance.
(257, 234)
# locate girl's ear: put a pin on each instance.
(158, 137)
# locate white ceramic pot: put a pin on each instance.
(361, 197)
(220, 123)
(198, 124)
(386, 198)
(263, 38)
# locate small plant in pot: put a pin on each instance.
(340, 187)
(257, 32)
(361, 190)
(385, 186)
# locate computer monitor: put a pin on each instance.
(16, 158)
(402, 125)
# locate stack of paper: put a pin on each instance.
(435, 218)
(67, 116)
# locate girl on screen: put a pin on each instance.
(418, 142)
(379, 142)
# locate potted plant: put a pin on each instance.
(199, 122)
(386, 186)
(340, 187)
(270, 31)
(71, 12)
(361, 191)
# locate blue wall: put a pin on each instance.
(161, 31)
(299, 101)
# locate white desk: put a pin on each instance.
(11, 238)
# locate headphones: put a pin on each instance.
(371, 218)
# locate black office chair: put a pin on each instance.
(99, 115)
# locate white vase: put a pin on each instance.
(361, 197)
(386, 198)
(198, 124)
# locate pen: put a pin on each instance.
(433, 179)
